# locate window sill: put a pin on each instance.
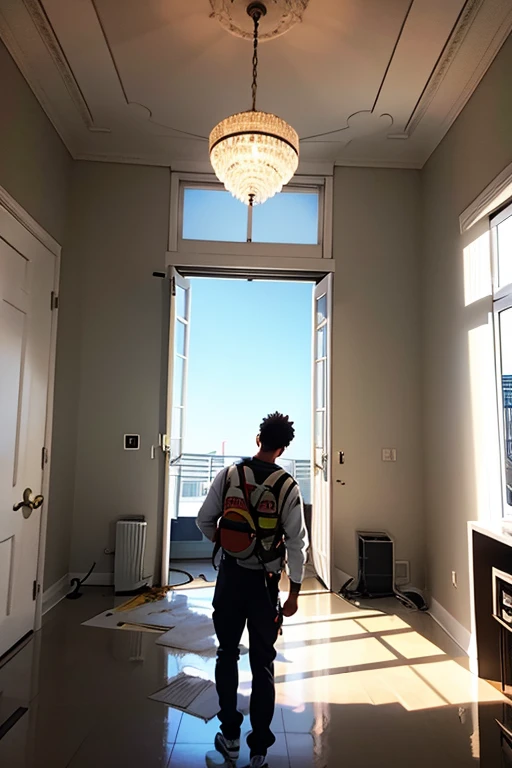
(500, 531)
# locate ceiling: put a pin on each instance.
(364, 82)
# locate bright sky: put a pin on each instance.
(250, 354)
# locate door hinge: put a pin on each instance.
(36, 588)
(54, 303)
(44, 457)
(173, 286)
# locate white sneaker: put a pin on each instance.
(228, 748)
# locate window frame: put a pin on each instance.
(502, 301)
(322, 249)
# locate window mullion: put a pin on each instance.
(249, 223)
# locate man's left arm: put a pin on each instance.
(296, 542)
(212, 507)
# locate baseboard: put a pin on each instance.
(95, 579)
(452, 627)
(339, 578)
(54, 594)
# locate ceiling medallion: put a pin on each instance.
(254, 154)
(281, 16)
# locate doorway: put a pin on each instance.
(241, 348)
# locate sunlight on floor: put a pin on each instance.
(395, 663)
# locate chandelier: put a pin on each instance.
(254, 153)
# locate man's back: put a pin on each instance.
(291, 519)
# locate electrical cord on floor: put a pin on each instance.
(403, 598)
(185, 573)
(77, 583)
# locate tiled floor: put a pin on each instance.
(355, 688)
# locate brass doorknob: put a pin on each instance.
(27, 502)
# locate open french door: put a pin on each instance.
(321, 538)
(179, 334)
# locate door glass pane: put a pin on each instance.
(506, 365)
(176, 424)
(319, 429)
(213, 214)
(180, 338)
(505, 252)
(321, 342)
(320, 384)
(289, 217)
(177, 384)
(175, 447)
(181, 302)
(321, 309)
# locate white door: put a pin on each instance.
(26, 283)
(179, 332)
(321, 515)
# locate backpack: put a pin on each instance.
(250, 524)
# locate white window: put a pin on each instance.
(501, 232)
(207, 219)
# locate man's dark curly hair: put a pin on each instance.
(276, 431)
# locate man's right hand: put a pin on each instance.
(291, 606)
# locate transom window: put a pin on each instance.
(501, 231)
(211, 213)
(207, 219)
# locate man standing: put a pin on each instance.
(254, 513)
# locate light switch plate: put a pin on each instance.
(131, 442)
(389, 454)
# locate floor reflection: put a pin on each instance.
(355, 687)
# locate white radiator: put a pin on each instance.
(129, 556)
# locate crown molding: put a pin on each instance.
(45, 30)
(451, 50)
(95, 157)
(411, 165)
(485, 62)
(199, 166)
(20, 60)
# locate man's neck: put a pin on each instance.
(266, 456)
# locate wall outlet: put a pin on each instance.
(389, 454)
(402, 572)
(454, 579)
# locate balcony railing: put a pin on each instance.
(193, 473)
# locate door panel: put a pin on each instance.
(12, 331)
(179, 333)
(322, 514)
(26, 283)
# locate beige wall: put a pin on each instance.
(376, 362)
(459, 403)
(118, 233)
(35, 168)
(34, 164)
(117, 237)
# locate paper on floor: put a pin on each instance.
(160, 615)
(195, 634)
(194, 695)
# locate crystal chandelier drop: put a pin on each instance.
(254, 153)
